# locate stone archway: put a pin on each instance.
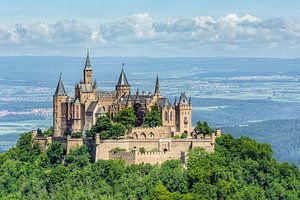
(151, 135)
(135, 136)
(142, 136)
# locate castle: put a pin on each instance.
(80, 113)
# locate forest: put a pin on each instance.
(240, 168)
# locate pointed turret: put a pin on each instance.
(175, 101)
(122, 87)
(137, 99)
(60, 89)
(88, 61)
(122, 79)
(88, 71)
(157, 91)
(190, 100)
(183, 100)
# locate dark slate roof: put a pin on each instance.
(183, 99)
(163, 102)
(60, 89)
(122, 79)
(157, 85)
(92, 107)
(88, 65)
(104, 94)
(133, 98)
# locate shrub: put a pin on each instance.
(183, 135)
(117, 149)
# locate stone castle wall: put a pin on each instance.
(162, 149)
(154, 132)
(136, 157)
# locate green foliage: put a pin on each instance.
(117, 130)
(77, 135)
(153, 118)
(117, 149)
(176, 137)
(48, 132)
(126, 117)
(107, 129)
(183, 136)
(79, 156)
(55, 153)
(142, 150)
(39, 132)
(203, 129)
(238, 169)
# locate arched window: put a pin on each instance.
(171, 115)
(151, 135)
(166, 116)
(143, 136)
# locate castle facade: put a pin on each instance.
(79, 113)
(152, 145)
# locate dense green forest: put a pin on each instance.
(238, 169)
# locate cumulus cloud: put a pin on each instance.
(141, 34)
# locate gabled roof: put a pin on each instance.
(183, 99)
(163, 102)
(122, 79)
(60, 89)
(88, 65)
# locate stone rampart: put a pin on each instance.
(151, 132)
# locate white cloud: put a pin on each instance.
(141, 34)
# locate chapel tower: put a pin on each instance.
(184, 114)
(60, 109)
(88, 71)
(122, 87)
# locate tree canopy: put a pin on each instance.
(238, 169)
(107, 129)
(126, 117)
(153, 118)
(202, 128)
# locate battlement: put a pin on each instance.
(150, 128)
(151, 153)
(136, 157)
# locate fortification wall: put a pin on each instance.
(102, 150)
(163, 149)
(153, 132)
(128, 157)
(152, 157)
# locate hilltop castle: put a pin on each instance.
(78, 114)
(161, 143)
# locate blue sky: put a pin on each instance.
(151, 28)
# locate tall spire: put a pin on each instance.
(88, 65)
(157, 91)
(137, 99)
(60, 89)
(122, 79)
(190, 100)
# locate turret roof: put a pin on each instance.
(122, 79)
(60, 89)
(88, 65)
(183, 99)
